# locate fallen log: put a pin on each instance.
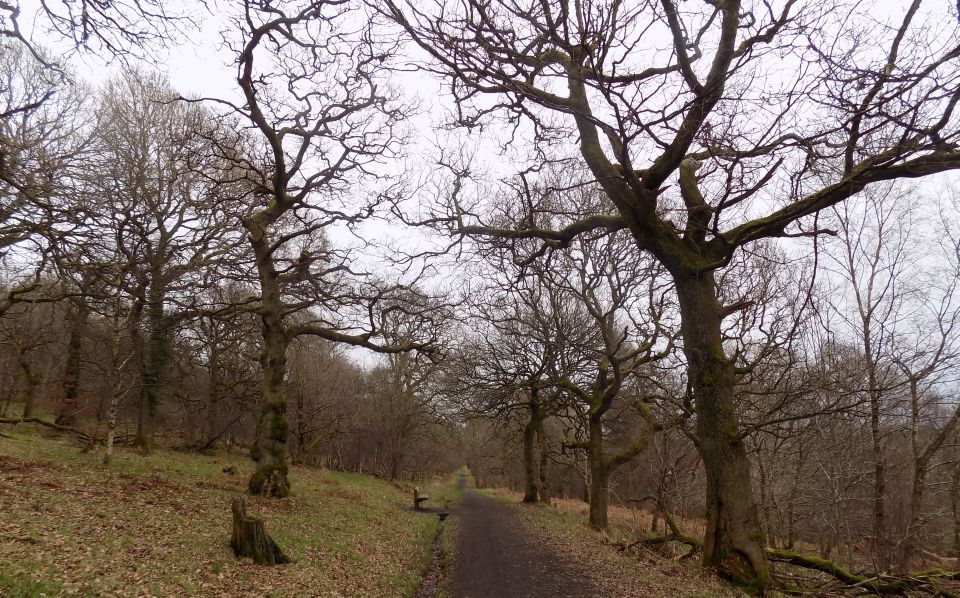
(36, 420)
(250, 537)
(82, 435)
(879, 584)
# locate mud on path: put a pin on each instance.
(494, 557)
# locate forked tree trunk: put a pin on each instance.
(734, 539)
(250, 538)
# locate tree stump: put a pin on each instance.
(250, 538)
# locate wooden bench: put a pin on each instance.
(418, 498)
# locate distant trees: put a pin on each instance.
(904, 313)
(41, 140)
(176, 222)
(629, 304)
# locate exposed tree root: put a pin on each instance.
(675, 535)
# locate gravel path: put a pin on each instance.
(496, 559)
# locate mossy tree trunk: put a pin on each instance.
(734, 538)
(156, 359)
(531, 491)
(69, 409)
(269, 450)
(599, 476)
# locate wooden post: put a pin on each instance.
(250, 538)
(417, 499)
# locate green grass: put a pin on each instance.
(25, 587)
(162, 523)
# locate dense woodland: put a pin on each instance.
(699, 258)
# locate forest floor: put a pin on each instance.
(500, 547)
(160, 526)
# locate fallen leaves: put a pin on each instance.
(160, 526)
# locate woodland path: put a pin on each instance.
(495, 558)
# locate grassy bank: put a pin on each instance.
(160, 526)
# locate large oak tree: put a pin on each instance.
(711, 125)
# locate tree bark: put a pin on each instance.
(542, 446)
(155, 361)
(734, 539)
(532, 483)
(955, 508)
(212, 431)
(32, 381)
(70, 408)
(880, 544)
(599, 476)
(269, 450)
(250, 538)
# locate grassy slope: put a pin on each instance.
(160, 526)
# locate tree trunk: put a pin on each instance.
(955, 508)
(213, 397)
(542, 445)
(599, 476)
(269, 449)
(30, 392)
(532, 484)
(117, 392)
(734, 540)
(111, 423)
(156, 358)
(70, 408)
(879, 481)
(911, 540)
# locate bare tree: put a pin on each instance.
(321, 120)
(150, 166)
(629, 305)
(707, 112)
(40, 141)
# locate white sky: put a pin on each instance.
(200, 66)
